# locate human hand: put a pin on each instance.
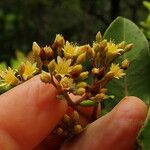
(30, 111)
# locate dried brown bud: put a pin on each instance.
(21, 69)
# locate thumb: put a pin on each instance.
(117, 130)
(28, 113)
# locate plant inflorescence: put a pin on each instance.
(79, 70)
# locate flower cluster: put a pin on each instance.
(82, 70)
(10, 78)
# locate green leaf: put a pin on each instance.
(145, 133)
(87, 103)
(137, 80)
(146, 4)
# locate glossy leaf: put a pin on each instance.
(137, 80)
(144, 136)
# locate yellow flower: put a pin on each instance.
(66, 83)
(116, 71)
(112, 49)
(62, 67)
(29, 70)
(8, 77)
(70, 50)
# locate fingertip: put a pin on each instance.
(30, 111)
(127, 119)
(118, 129)
(131, 108)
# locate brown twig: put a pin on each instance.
(77, 102)
(74, 105)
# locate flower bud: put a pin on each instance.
(66, 83)
(103, 43)
(45, 77)
(66, 119)
(109, 75)
(95, 71)
(21, 69)
(80, 91)
(81, 58)
(75, 117)
(98, 37)
(122, 45)
(51, 65)
(59, 40)
(81, 85)
(128, 47)
(78, 129)
(125, 64)
(100, 96)
(48, 50)
(96, 47)
(36, 48)
(59, 131)
(85, 49)
(84, 75)
(76, 70)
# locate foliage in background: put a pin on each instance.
(22, 22)
(146, 24)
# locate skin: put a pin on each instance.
(30, 111)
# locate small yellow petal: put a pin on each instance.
(117, 71)
(29, 70)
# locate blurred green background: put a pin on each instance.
(25, 21)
